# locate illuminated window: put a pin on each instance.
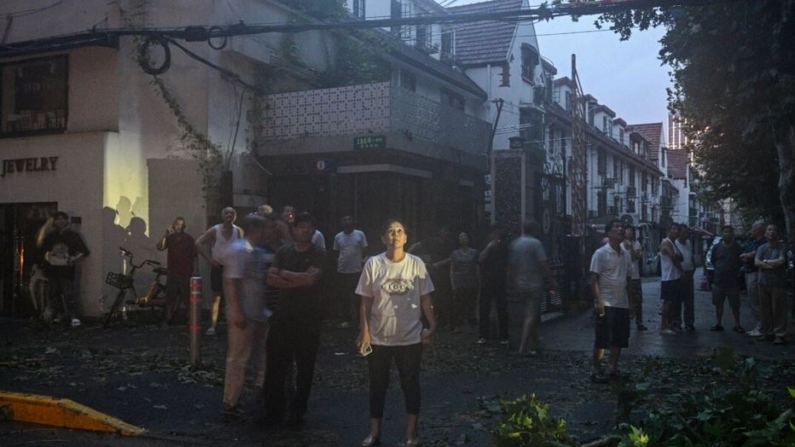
(34, 97)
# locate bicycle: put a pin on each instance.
(155, 298)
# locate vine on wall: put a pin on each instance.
(198, 145)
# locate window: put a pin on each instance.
(563, 144)
(601, 203)
(408, 81)
(358, 9)
(568, 101)
(591, 114)
(396, 12)
(448, 40)
(423, 38)
(453, 100)
(529, 62)
(505, 79)
(601, 163)
(531, 123)
(551, 140)
(34, 96)
(617, 169)
(631, 176)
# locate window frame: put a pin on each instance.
(41, 131)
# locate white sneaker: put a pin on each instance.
(754, 333)
(76, 322)
(210, 331)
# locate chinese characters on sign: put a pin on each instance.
(369, 142)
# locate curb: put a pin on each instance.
(46, 410)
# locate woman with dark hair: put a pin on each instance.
(396, 294)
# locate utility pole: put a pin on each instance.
(579, 204)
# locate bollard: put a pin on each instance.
(195, 325)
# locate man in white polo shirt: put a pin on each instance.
(610, 270)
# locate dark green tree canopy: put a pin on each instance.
(733, 70)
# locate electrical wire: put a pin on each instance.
(28, 12)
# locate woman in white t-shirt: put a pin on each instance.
(396, 294)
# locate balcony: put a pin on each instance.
(371, 109)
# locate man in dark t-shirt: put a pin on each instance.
(295, 325)
(63, 248)
(493, 267)
(436, 253)
(726, 259)
(181, 261)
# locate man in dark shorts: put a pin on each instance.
(610, 270)
(726, 259)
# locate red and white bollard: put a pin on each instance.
(195, 325)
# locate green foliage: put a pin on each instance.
(737, 417)
(527, 424)
(359, 60)
(735, 87)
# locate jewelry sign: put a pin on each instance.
(22, 165)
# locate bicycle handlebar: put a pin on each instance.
(129, 254)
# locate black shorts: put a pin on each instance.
(612, 329)
(217, 279)
(671, 290)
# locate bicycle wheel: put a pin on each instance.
(115, 308)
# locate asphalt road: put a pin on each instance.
(140, 374)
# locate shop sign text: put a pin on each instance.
(20, 165)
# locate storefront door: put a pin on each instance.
(19, 226)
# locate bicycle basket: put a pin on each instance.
(119, 280)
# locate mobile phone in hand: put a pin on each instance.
(366, 350)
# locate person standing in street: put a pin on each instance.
(634, 286)
(63, 250)
(349, 244)
(684, 310)
(528, 269)
(771, 258)
(493, 261)
(245, 267)
(464, 278)
(436, 253)
(295, 325)
(726, 260)
(610, 271)
(396, 294)
(181, 260)
(670, 279)
(219, 237)
(752, 275)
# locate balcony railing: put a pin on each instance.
(370, 109)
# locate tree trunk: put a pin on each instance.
(785, 147)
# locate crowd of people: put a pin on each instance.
(273, 276)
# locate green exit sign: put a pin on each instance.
(370, 142)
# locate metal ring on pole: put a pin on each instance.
(222, 45)
(143, 55)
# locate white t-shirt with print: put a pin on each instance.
(613, 270)
(396, 288)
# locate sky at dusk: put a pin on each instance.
(625, 76)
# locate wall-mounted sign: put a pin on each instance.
(325, 165)
(20, 165)
(370, 142)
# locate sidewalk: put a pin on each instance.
(140, 375)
